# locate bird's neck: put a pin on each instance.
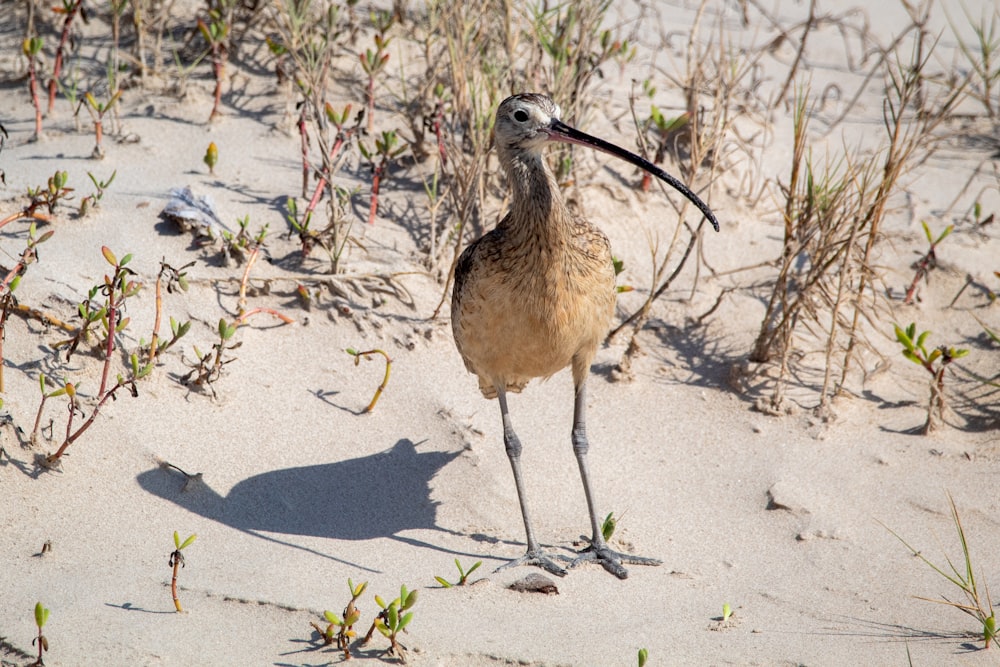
(537, 207)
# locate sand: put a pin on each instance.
(779, 517)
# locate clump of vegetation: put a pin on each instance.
(341, 630)
(977, 602)
(463, 575)
(393, 619)
(935, 362)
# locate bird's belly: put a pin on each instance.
(517, 332)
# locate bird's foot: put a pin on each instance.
(609, 559)
(539, 558)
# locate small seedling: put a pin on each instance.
(211, 157)
(373, 62)
(643, 657)
(97, 111)
(344, 626)
(41, 618)
(385, 151)
(727, 611)
(385, 380)
(216, 33)
(94, 200)
(176, 562)
(934, 362)
(608, 526)
(463, 576)
(69, 9)
(31, 48)
(208, 366)
(927, 262)
(393, 619)
(978, 604)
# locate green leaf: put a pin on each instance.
(379, 601)
(332, 618)
(902, 337)
(405, 621)
(643, 657)
(393, 614)
(922, 338)
(912, 357)
(188, 541)
(934, 356)
(927, 232)
(411, 600)
(41, 615)
(177, 540)
(958, 354)
(442, 581)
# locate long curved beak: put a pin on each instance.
(560, 131)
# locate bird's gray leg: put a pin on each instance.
(598, 550)
(534, 555)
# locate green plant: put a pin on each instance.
(643, 657)
(176, 562)
(211, 157)
(69, 9)
(934, 362)
(927, 261)
(982, 56)
(393, 619)
(344, 626)
(94, 200)
(215, 32)
(97, 110)
(608, 526)
(48, 196)
(31, 47)
(977, 603)
(208, 366)
(386, 151)
(175, 279)
(373, 62)
(41, 618)
(117, 287)
(462, 574)
(385, 379)
(727, 611)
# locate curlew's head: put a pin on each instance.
(526, 121)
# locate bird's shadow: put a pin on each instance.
(380, 495)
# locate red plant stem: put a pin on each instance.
(371, 103)
(63, 38)
(33, 87)
(439, 133)
(270, 311)
(321, 183)
(98, 132)
(218, 68)
(254, 254)
(175, 558)
(73, 437)
(304, 135)
(110, 347)
(376, 183)
(155, 338)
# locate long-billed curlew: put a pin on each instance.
(537, 294)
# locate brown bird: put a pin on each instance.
(537, 294)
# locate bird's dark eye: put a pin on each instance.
(520, 115)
